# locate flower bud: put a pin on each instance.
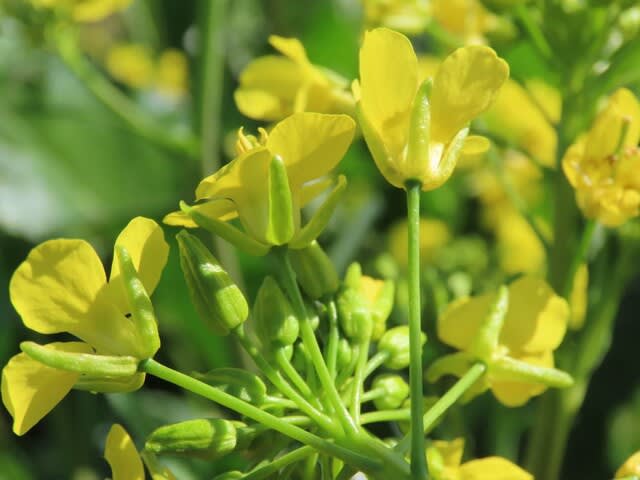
(280, 227)
(276, 322)
(396, 391)
(354, 314)
(314, 270)
(345, 354)
(218, 300)
(203, 438)
(395, 342)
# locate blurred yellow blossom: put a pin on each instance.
(85, 10)
(519, 248)
(630, 468)
(130, 64)
(62, 287)
(602, 165)
(469, 20)
(275, 86)
(434, 234)
(529, 128)
(445, 463)
(308, 145)
(417, 131)
(407, 16)
(579, 298)
(172, 73)
(516, 344)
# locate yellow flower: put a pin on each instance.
(172, 73)
(130, 64)
(412, 133)
(602, 166)
(630, 468)
(62, 287)
(445, 463)
(273, 87)
(529, 128)
(434, 234)
(519, 248)
(517, 349)
(309, 145)
(85, 10)
(124, 459)
(406, 16)
(469, 20)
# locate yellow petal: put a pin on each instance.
(516, 394)
(290, 47)
(95, 10)
(492, 468)
(537, 317)
(465, 85)
(30, 389)
(451, 452)
(475, 145)
(459, 323)
(630, 467)
(310, 144)
(219, 209)
(122, 455)
(579, 297)
(388, 85)
(144, 240)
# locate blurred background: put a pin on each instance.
(73, 166)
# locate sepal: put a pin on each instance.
(280, 227)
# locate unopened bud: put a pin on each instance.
(396, 391)
(202, 438)
(395, 342)
(276, 322)
(314, 270)
(217, 299)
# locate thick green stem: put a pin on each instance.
(273, 467)
(216, 395)
(418, 462)
(288, 280)
(446, 401)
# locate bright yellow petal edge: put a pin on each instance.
(122, 455)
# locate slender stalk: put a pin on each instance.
(288, 279)
(374, 362)
(294, 376)
(446, 401)
(418, 462)
(216, 395)
(274, 467)
(358, 380)
(386, 416)
(372, 395)
(275, 377)
(331, 352)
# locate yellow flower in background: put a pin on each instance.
(130, 64)
(407, 16)
(579, 298)
(445, 463)
(631, 467)
(309, 144)
(425, 148)
(62, 287)
(603, 165)
(529, 128)
(273, 87)
(469, 20)
(519, 248)
(134, 66)
(85, 10)
(434, 234)
(520, 364)
(124, 459)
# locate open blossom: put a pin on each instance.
(275, 86)
(62, 287)
(415, 130)
(603, 165)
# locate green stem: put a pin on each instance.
(533, 30)
(280, 402)
(386, 416)
(274, 466)
(331, 353)
(418, 462)
(294, 376)
(288, 279)
(374, 362)
(446, 401)
(372, 395)
(216, 395)
(276, 378)
(139, 121)
(358, 380)
(578, 257)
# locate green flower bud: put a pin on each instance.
(396, 391)
(354, 315)
(345, 354)
(395, 342)
(276, 322)
(218, 300)
(203, 438)
(280, 227)
(314, 270)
